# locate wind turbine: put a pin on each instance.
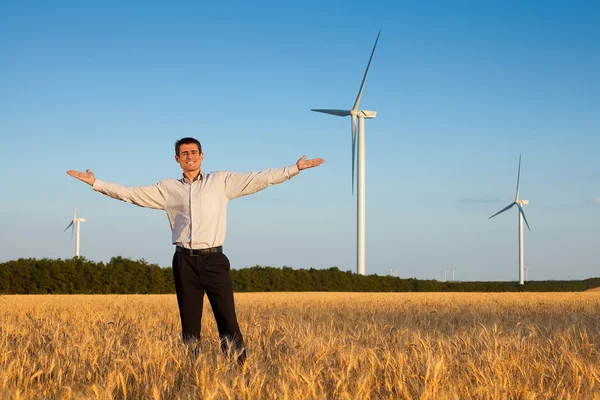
(361, 115)
(75, 225)
(519, 203)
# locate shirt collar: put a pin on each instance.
(198, 177)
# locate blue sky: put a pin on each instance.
(460, 88)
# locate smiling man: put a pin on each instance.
(196, 205)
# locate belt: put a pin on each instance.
(198, 252)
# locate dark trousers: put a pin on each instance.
(207, 273)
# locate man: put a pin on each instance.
(196, 206)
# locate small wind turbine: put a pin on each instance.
(519, 203)
(453, 269)
(361, 115)
(445, 271)
(75, 225)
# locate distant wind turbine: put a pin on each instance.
(75, 225)
(355, 113)
(519, 203)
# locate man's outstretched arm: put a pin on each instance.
(144, 196)
(242, 184)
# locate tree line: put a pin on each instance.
(125, 276)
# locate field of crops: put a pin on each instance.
(306, 346)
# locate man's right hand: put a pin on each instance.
(87, 176)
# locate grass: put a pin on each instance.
(306, 346)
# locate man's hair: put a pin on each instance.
(186, 140)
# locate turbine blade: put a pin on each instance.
(518, 179)
(504, 209)
(68, 226)
(353, 149)
(362, 85)
(523, 214)
(339, 113)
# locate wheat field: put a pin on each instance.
(306, 346)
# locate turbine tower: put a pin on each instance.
(361, 115)
(75, 225)
(519, 203)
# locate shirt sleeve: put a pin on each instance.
(242, 184)
(151, 196)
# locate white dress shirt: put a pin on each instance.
(197, 210)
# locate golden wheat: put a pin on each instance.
(306, 346)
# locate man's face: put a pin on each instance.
(189, 157)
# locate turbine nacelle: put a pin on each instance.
(363, 114)
(522, 202)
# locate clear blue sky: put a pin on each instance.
(461, 88)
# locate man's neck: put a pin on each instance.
(192, 175)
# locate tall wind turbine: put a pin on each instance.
(519, 203)
(75, 225)
(361, 115)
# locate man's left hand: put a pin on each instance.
(303, 163)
